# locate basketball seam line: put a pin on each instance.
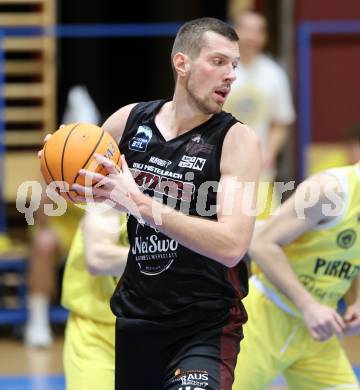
(91, 154)
(117, 162)
(62, 157)
(47, 166)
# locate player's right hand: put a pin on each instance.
(46, 138)
(323, 321)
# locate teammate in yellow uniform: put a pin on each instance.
(309, 254)
(100, 248)
(51, 239)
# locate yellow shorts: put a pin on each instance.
(275, 342)
(89, 354)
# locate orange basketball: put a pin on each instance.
(71, 148)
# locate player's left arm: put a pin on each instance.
(278, 133)
(295, 217)
(283, 115)
(225, 240)
(352, 313)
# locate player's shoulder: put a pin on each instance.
(116, 122)
(241, 153)
(240, 135)
(139, 108)
(324, 182)
(241, 131)
(340, 178)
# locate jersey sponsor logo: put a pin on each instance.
(321, 293)
(191, 379)
(197, 145)
(191, 388)
(153, 254)
(141, 139)
(159, 171)
(191, 162)
(338, 268)
(162, 185)
(109, 153)
(153, 244)
(346, 239)
(159, 161)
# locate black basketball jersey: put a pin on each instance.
(163, 280)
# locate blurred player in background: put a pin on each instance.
(261, 98)
(52, 237)
(99, 249)
(308, 263)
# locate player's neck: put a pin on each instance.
(180, 115)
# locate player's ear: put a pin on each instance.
(181, 64)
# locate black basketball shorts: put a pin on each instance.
(152, 356)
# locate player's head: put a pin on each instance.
(204, 56)
(352, 137)
(251, 28)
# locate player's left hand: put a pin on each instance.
(117, 187)
(352, 319)
(322, 321)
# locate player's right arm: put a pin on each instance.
(103, 254)
(101, 229)
(116, 122)
(283, 228)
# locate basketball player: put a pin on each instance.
(308, 263)
(178, 304)
(89, 357)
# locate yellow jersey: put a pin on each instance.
(82, 293)
(65, 226)
(327, 258)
